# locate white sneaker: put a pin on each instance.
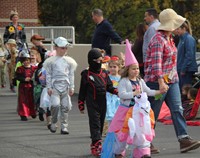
(64, 131)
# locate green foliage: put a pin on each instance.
(123, 15)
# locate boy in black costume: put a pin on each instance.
(94, 84)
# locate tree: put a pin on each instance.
(123, 15)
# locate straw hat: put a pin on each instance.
(12, 41)
(170, 20)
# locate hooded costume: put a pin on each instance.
(94, 84)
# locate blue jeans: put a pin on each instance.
(173, 101)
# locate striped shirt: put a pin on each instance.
(161, 58)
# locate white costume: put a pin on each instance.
(60, 78)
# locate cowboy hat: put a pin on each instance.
(170, 20)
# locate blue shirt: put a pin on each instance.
(186, 60)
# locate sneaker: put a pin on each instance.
(23, 118)
(49, 126)
(187, 144)
(96, 148)
(64, 131)
(154, 150)
(33, 116)
(53, 128)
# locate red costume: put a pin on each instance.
(26, 105)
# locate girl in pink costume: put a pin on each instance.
(124, 127)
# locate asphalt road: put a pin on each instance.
(32, 139)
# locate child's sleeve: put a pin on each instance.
(110, 87)
(48, 68)
(20, 74)
(150, 92)
(73, 66)
(123, 92)
(83, 87)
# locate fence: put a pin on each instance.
(49, 32)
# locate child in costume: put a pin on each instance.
(60, 83)
(2, 64)
(44, 98)
(11, 46)
(113, 102)
(24, 74)
(131, 121)
(94, 84)
(188, 104)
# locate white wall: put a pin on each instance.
(79, 53)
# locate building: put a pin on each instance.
(27, 9)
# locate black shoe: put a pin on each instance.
(49, 126)
(33, 116)
(41, 118)
(23, 118)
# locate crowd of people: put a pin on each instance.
(123, 93)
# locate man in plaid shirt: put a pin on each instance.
(160, 73)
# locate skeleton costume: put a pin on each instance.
(60, 78)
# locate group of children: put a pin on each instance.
(120, 96)
(113, 93)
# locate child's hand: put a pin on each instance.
(71, 92)
(27, 79)
(136, 92)
(50, 91)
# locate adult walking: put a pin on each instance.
(151, 19)
(160, 73)
(186, 60)
(15, 30)
(103, 33)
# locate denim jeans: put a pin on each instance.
(173, 101)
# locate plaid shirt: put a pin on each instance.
(161, 58)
